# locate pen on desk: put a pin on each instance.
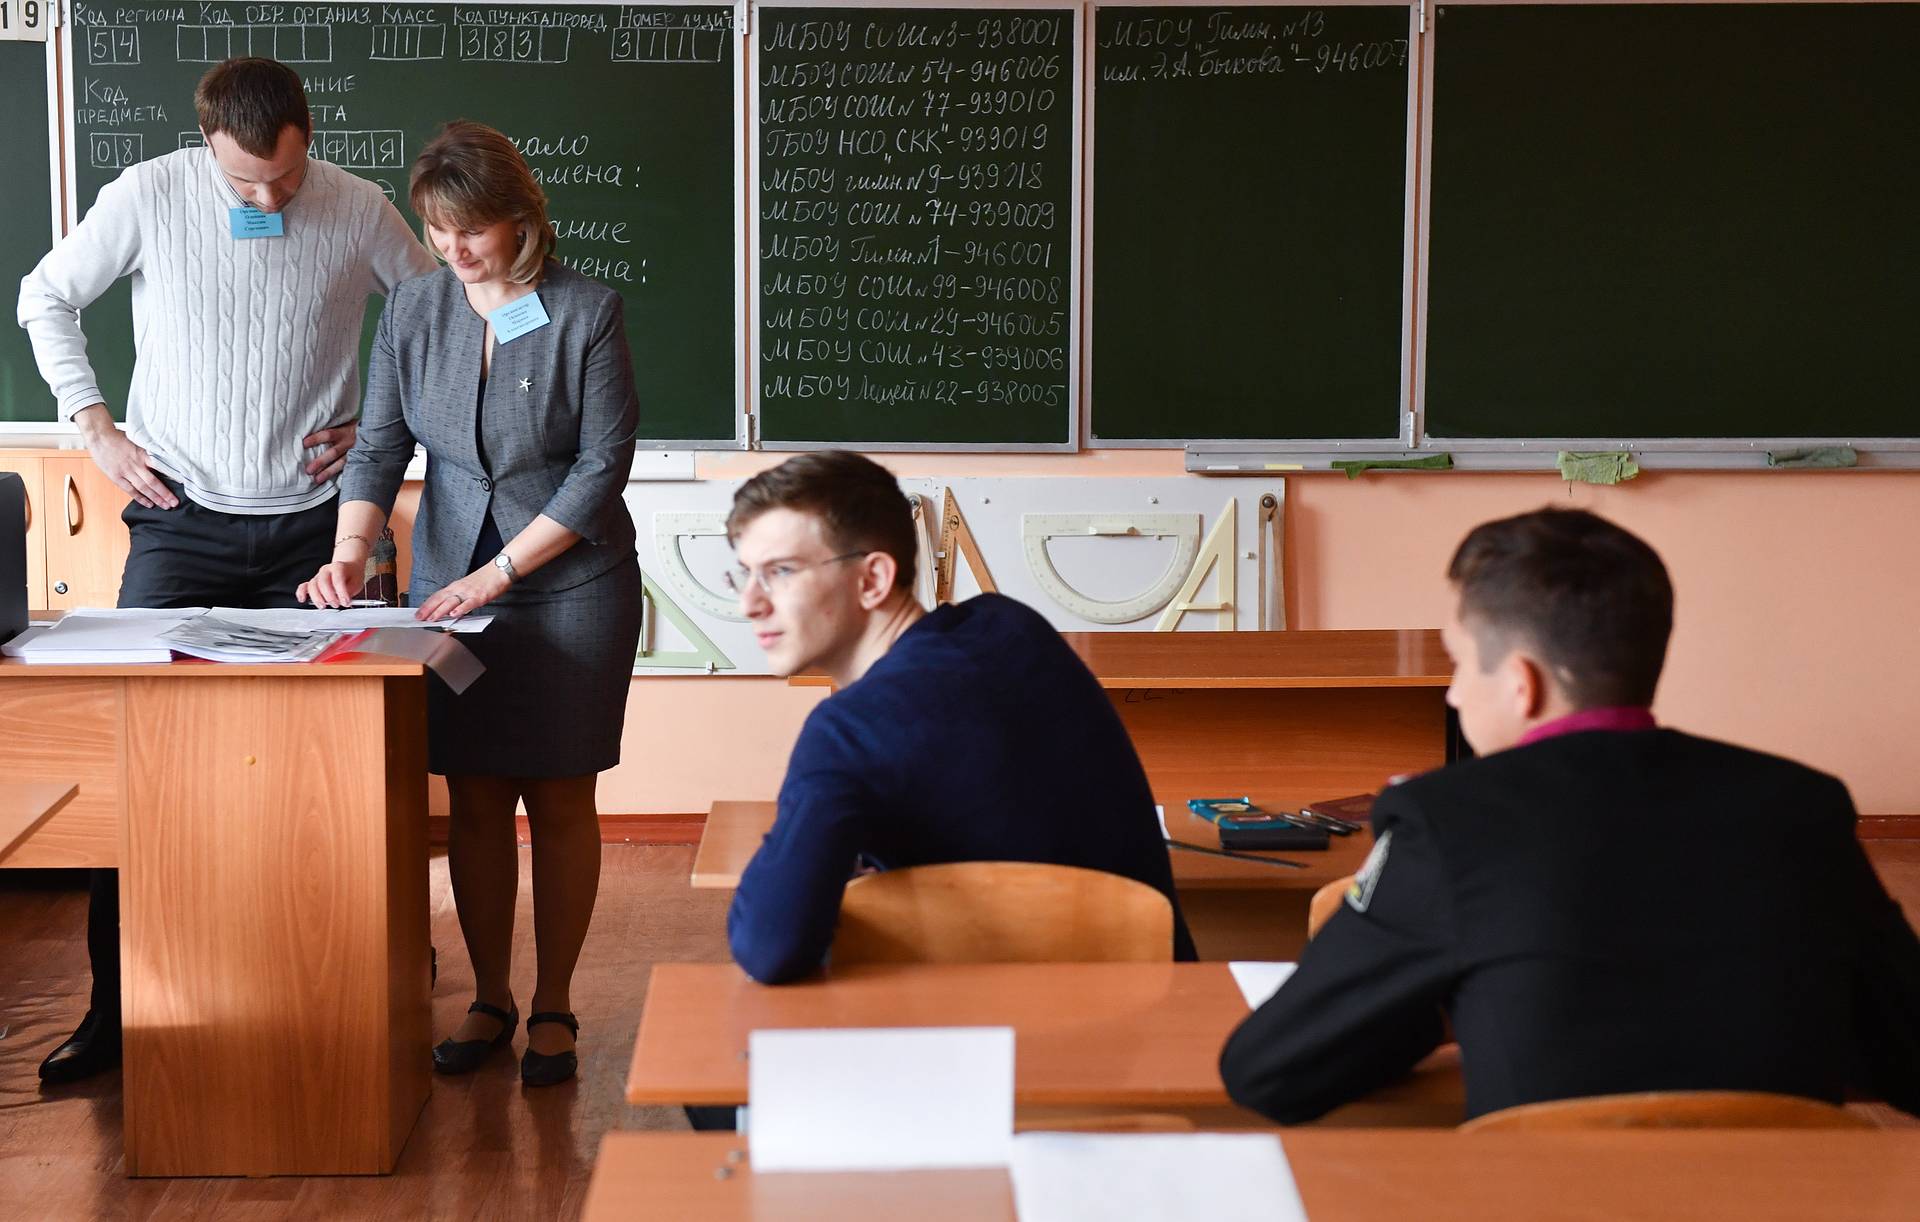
(1265, 861)
(1339, 827)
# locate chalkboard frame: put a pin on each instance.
(1410, 249)
(67, 206)
(21, 431)
(1490, 453)
(1078, 11)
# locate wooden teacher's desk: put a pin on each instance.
(1106, 1036)
(1365, 1176)
(269, 823)
(24, 808)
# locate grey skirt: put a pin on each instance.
(553, 700)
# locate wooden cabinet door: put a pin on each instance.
(28, 469)
(86, 540)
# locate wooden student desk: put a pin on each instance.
(1282, 717)
(1122, 1036)
(269, 823)
(1367, 1176)
(1313, 714)
(1235, 909)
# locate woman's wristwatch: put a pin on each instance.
(504, 563)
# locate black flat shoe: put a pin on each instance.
(452, 1056)
(542, 1069)
(93, 1048)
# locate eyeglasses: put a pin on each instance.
(775, 577)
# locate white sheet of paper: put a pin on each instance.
(346, 619)
(880, 1098)
(90, 631)
(167, 613)
(1259, 981)
(1150, 1177)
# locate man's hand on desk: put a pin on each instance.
(123, 461)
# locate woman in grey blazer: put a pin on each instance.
(512, 372)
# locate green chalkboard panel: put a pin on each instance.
(1250, 223)
(626, 113)
(1674, 221)
(915, 237)
(26, 201)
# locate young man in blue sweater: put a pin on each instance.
(969, 733)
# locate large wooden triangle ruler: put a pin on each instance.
(956, 540)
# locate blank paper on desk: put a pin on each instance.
(1151, 1177)
(880, 1098)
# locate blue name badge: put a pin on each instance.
(253, 223)
(516, 318)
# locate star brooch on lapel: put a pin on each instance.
(526, 383)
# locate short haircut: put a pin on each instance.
(470, 176)
(1591, 600)
(253, 100)
(858, 502)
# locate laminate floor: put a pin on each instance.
(484, 1148)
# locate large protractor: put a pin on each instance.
(1183, 528)
(668, 531)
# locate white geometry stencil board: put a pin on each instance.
(1089, 553)
(693, 626)
(1097, 553)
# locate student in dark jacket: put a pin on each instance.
(1597, 904)
(970, 733)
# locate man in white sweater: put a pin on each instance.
(251, 268)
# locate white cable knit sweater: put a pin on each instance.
(242, 347)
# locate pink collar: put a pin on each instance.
(1619, 718)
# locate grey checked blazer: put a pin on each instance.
(559, 425)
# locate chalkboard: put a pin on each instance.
(1251, 237)
(627, 113)
(27, 198)
(1674, 221)
(916, 250)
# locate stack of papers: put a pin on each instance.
(102, 637)
(221, 640)
(136, 635)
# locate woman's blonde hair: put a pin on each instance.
(470, 176)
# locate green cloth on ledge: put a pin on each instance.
(1817, 456)
(1608, 467)
(1432, 462)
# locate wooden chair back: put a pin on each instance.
(1002, 912)
(1325, 902)
(1671, 1109)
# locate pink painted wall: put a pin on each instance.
(1796, 627)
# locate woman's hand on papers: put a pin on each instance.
(335, 585)
(465, 596)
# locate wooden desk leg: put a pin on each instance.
(274, 924)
